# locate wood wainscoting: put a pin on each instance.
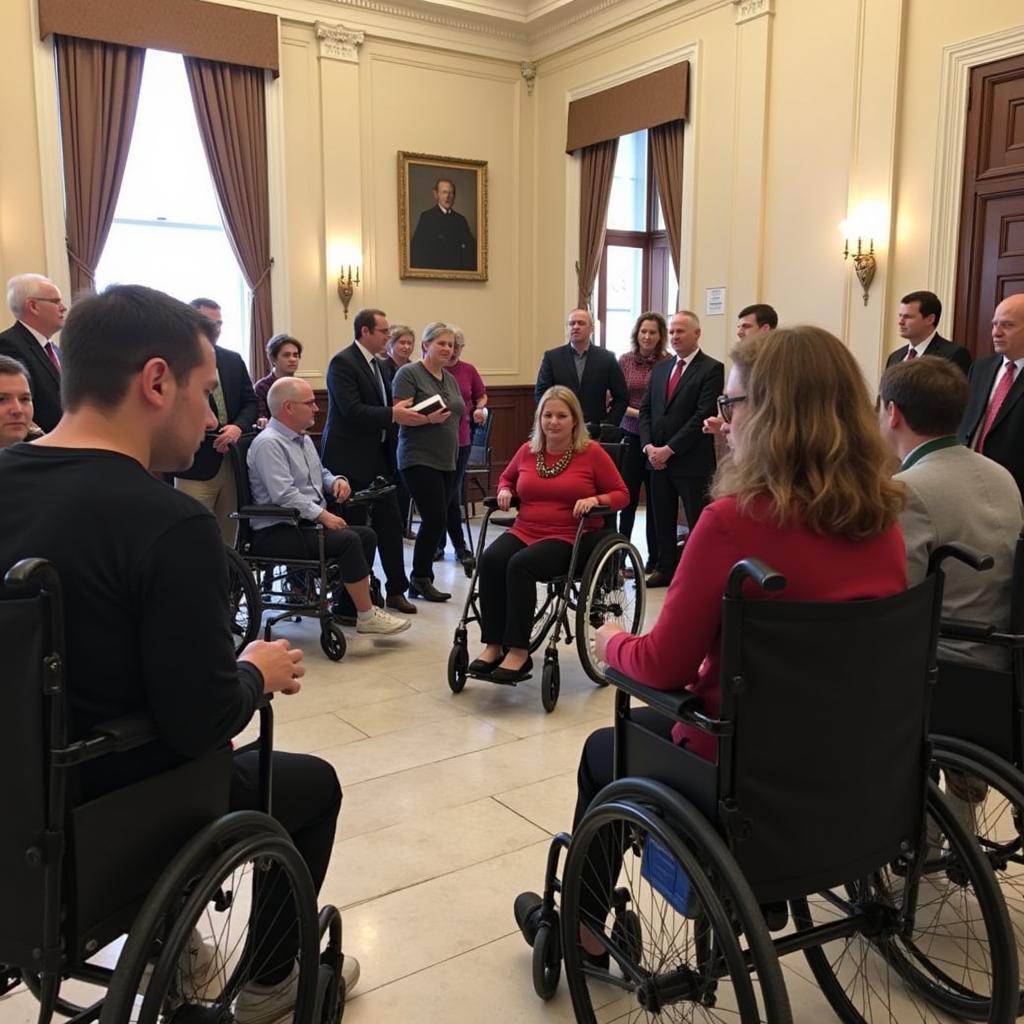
(511, 406)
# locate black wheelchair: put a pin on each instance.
(160, 859)
(815, 823)
(610, 587)
(977, 724)
(292, 588)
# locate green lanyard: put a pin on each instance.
(934, 445)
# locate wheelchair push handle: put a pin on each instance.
(760, 572)
(977, 560)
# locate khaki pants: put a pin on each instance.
(219, 495)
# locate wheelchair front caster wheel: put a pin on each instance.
(550, 684)
(332, 640)
(547, 960)
(330, 996)
(458, 663)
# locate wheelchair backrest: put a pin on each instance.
(823, 778)
(480, 442)
(240, 468)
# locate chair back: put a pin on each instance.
(822, 777)
(480, 443)
(240, 468)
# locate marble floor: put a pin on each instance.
(450, 803)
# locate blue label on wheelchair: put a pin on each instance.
(666, 876)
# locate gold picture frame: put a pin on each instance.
(433, 244)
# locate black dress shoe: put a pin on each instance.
(400, 603)
(658, 579)
(512, 675)
(420, 586)
(482, 667)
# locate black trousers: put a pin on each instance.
(389, 527)
(509, 573)
(635, 472)
(429, 489)
(665, 493)
(454, 524)
(306, 800)
(352, 548)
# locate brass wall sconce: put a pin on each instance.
(346, 285)
(863, 263)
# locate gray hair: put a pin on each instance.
(460, 338)
(287, 389)
(433, 330)
(20, 289)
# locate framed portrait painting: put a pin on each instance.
(442, 217)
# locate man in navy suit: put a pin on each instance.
(994, 421)
(591, 372)
(211, 479)
(442, 239)
(358, 440)
(683, 392)
(39, 312)
(919, 322)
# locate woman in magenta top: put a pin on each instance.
(558, 475)
(807, 489)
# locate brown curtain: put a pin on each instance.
(230, 107)
(98, 85)
(667, 150)
(596, 174)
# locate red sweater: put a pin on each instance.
(683, 648)
(545, 509)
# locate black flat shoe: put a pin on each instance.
(527, 910)
(421, 587)
(508, 675)
(482, 667)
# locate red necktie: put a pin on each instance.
(673, 380)
(51, 354)
(996, 402)
(911, 353)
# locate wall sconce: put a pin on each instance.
(863, 263)
(346, 285)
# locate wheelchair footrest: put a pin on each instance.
(498, 682)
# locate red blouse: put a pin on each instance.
(683, 648)
(546, 503)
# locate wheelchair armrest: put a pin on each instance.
(682, 706)
(113, 737)
(265, 512)
(977, 560)
(493, 503)
(963, 629)
(599, 510)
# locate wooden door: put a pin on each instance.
(991, 256)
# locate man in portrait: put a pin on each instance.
(442, 240)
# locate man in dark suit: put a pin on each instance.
(359, 440)
(442, 239)
(994, 421)
(39, 312)
(919, 322)
(683, 392)
(211, 480)
(591, 372)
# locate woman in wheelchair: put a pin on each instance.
(558, 476)
(807, 488)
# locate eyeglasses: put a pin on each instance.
(40, 298)
(725, 404)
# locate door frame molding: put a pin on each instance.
(947, 190)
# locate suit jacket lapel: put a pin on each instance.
(368, 370)
(685, 377)
(42, 360)
(1016, 389)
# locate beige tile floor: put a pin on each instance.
(450, 802)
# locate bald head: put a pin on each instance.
(1008, 327)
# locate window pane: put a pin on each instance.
(627, 207)
(167, 231)
(625, 271)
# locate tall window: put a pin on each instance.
(636, 271)
(167, 231)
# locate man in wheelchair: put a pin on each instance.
(285, 470)
(143, 574)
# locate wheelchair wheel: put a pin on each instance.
(210, 926)
(332, 640)
(547, 961)
(550, 684)
(244, 598)
(957, 957)
(683, 923)
(607, 595)
(995, 814)
(458, 663)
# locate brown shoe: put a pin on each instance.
(658, 579)
(400, 603)
(420, 586)
(410, 534)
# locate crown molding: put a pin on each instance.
(338, 42)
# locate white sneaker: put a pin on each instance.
(382, 624)
(199, 965)
(349, 973)
(275, 1004)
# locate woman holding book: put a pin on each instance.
(427, 453)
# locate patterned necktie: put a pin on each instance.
(911, 353)
(380, 380)
(51, 354)
(219, 405)
(673, 381)
(996, 402)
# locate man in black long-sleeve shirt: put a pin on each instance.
(142, 565)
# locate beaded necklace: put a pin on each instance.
(547, 472)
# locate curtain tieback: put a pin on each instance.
(89, 272)
(263, 277)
